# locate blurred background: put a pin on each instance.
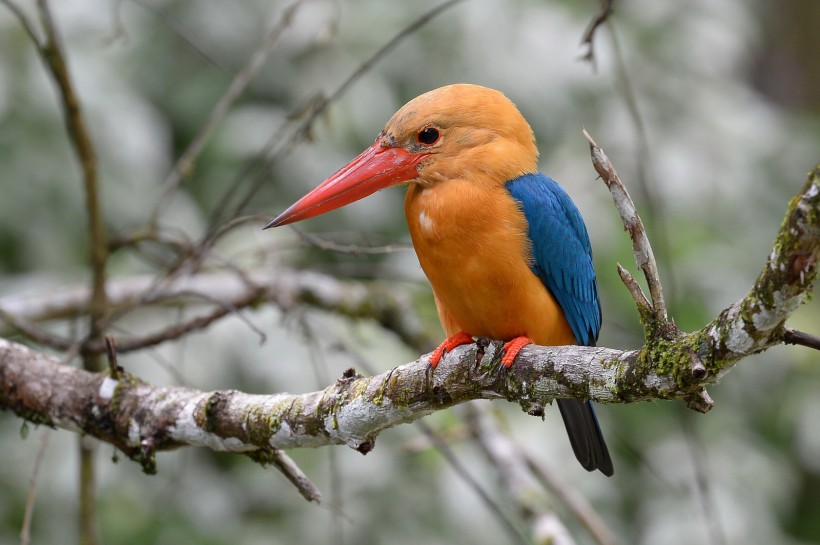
(709, 110)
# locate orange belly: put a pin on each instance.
(476, 255)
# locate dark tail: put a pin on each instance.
(585, 435)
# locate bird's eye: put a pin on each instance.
(428, 136)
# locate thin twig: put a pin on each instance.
(352, 249)
(462, 472)
(647, 192)
(304, 129)
(194, 42)
(24, 21)
(575, 502)
(635, 289)
(296, 476)
(702, 481)
(34, 333)
(57, 63)
(589, 34)
(179, 330)
(644, 257)
(258, 168)
(111, 349)
(233, 309)
(185, 164)
(506, 457)
(25, 531)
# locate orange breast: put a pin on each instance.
(471, 241)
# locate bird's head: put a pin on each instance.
(458, 131)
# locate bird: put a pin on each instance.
(504, 247)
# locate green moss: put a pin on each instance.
(262, 456)
(125, 383)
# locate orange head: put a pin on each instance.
(458, 131)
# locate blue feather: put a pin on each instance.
(561, 252)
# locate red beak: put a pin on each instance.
(376, 168)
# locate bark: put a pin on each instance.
(141, 419)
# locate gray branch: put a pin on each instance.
(141, 419)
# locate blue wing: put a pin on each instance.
(562, 259)
(561, 252)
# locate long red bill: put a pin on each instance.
(376, 168)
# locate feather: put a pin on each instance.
(562, 259)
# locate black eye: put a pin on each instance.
(428, 136)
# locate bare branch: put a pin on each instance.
(448, 454)
(25, 531)
(321, 105)
(352, 249)
(570, 498)
(291, 471)
(185, 164)
(792, 336)
(644, 257)
(56, 62)
(644, 306)
(506, 457)
(283, 287)
(24, 21)
(588, 38)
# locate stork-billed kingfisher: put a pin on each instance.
(504, 247)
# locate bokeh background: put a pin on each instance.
(710, 111)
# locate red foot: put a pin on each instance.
(512, 348)
(451, 342)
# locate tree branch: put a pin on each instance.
(644, 256)
(140, 419)
(281, 286)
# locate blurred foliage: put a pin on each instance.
(728, 98)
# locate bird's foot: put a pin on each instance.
(512, 348)
(458, 339)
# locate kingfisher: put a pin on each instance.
(504, 247)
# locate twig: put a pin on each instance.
(295, 475)
(574, 502)
(281, 286)
(352, 249)
(57, 63)
(33, 332)
(55, 59)
(179, 330)
(185, 164)
(792, 336)
(164, 15)
(506, 457)
(233, 309)
(258, 168)
(702, 482)
(111, 348)
(25, 531)
(462, 472)
(304, 129)
(644, 307)
(589, 34)
(644, 257)
(24, 21)
(646, 190)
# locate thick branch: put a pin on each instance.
(140, 419)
